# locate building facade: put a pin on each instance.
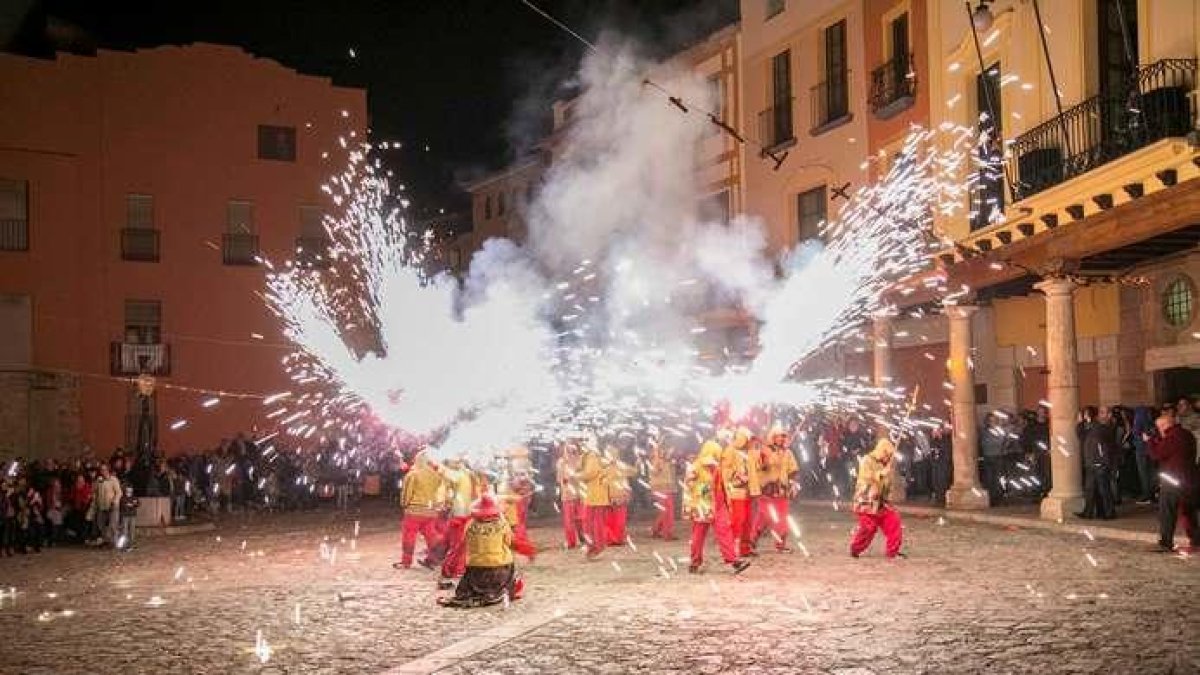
(139, 194)
(804, 89)
(1079, 246)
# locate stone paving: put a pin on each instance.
(968, 599)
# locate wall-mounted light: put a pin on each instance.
(981, 17)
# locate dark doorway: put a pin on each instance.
(1175, 383)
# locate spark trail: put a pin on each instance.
(529, 345)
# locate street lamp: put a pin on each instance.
(981, 17)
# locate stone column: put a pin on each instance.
(1066, 471)
(881, 376)
(966, 492)
(882, 351)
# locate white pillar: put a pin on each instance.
(966, 492)
(1066, 497)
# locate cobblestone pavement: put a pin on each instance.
(968, 599)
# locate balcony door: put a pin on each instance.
(900, 52)
(781, 97)
(1116, 58)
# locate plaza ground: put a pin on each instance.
(970, 598)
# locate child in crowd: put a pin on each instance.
(129, 509)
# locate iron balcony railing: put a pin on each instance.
(14, 234)
(139, 244)
(313, 251)
(1154, 105)
(830, 101)
(130, 359)
(239, 248)
(775, 123)
(893, 85)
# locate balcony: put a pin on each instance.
(239, 248)
(775, 124)
(14, 234)
(893, 87)
(139, 244)
(313, 252)
(130, 360)
(1104, 128)
(830, 104)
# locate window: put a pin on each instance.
(487, 206)
(835, 98)
(14, 215)
(776, 121)
(715, 208)
(143, 322)
(893, 83)
(311, 222)
(716, 96)
(988, 198)
(240, 217)
(139, 239)
(240, 243)
(313, 243)
(277, 143)
(139, 212)
(500, 204)
(1179, 302)
(811, 207)
(898, 33)
(775, 7)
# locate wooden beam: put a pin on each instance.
(1162, 212)
(1132, 222)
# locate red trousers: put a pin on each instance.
(572, 521)
(595, 526)
(742, 522)
(664, 525)
(888, 520)
(617, 516)
(721, 531)
(772, 517)
(455, 562)
(426, 526)
(519, 531)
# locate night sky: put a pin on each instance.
(472, 79)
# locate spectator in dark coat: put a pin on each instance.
(1035, 442)
(1099, 452)
(940, 468)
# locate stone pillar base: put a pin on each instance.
(1060, 507)
(153, 512)
(971, 498)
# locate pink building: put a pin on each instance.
(138, 192)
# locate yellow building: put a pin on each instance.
(499, 203)
(804, 92)
(1097, 188)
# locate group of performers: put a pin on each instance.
(739, 486)
(470, 528)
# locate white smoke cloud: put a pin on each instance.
(593, 321)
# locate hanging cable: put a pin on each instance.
(676, 101)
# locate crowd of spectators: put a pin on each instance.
(94, 501)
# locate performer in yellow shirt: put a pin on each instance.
(491, 575)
